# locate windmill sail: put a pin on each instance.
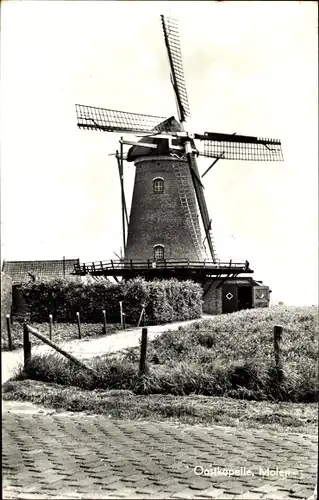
(240, 147)
(171, 35)
(110, 120)
(199, 190)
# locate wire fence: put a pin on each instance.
(78, 357)
(94, 341)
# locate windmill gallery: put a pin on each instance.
(168, 233)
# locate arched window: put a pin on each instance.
(158, 185)
(158, 252)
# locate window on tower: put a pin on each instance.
(158, 185)
(159, 252)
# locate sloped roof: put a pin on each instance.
(19, 270)
(162, 145)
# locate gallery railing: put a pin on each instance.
(136, 264)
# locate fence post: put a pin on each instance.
(121, 312)
(143, 351)
(79, 323)
(104, 321)
(277, 346)
(141, 315)
(124, 315)
(50, 325)
(26, 345)
(9, 331)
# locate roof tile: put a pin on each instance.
(19, 270)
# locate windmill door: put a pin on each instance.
(261, 296)
(230, 299)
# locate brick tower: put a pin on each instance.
(164, 218)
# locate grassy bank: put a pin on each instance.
(245, 335)
(193, 410)
(227, 356)
(62, 332)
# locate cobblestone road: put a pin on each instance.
(69, 455)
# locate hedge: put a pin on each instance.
(166, 300)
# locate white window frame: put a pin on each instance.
(162, 184)
(157, 247)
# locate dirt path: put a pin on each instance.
(85, 349)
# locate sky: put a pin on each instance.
(250, 68)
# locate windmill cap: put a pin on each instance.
(171, 124)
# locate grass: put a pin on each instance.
(192, 410)
(61, 332)
(243, 335)
(227, 356)
(246, 380)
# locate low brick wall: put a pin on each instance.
(6, 298)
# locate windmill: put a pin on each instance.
(165, 154)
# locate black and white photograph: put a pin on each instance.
(159, 249)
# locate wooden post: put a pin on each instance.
(277, 347)
(50, 325)
(143, 351)
(9, 331)
(28, 329)
(141, 315)
(79, 324)
(123, 315)
(26, 345)
(104, 321)
(121, 312)
(124, 320)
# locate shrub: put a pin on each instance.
(165, 300)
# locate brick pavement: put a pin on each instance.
(71, 455)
